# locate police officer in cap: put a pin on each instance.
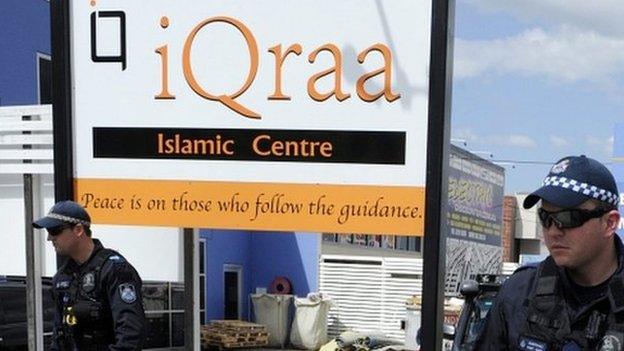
(574, 299)
(97, 292)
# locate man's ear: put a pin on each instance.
(79, 230)
(613, 221)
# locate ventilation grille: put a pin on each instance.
(369, 292)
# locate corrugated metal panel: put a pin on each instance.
(26, 143)
(369, 292)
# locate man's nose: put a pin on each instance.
(553, 230)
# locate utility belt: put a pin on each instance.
(84, 327)
(83, 312)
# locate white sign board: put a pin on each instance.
(280, 115)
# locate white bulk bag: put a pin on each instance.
(309, 327)
(273, 312)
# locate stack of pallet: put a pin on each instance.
(234, 334)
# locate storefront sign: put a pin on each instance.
(266, 115)
(475, 198)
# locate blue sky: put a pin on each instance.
(536, 80)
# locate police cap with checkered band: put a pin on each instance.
(62, 213)
(574, 180)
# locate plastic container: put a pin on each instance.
(412, 324)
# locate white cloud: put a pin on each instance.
(604, 16)
(509, 140)
(559, 142)
(567, 55)
(514, 140)
(604, 146)
(466, 134)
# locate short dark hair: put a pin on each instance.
(86, 228)
(604, 206)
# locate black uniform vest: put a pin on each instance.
(600, 325)
(87, 302)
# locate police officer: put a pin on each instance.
(97, 292)
(574, 299)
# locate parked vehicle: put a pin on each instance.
(479, 295)
(163, 301)
(13, 320)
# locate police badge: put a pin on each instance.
(127, 293)
(88, 282)
(560, 167)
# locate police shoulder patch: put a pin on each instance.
(127, 293)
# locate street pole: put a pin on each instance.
(191, 296)
(438, 145)
(31, 273)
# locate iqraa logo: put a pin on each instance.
(121, 58)
(280, 57)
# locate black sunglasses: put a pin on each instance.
(58, 230)
(568, 218)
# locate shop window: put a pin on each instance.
(164, 306)
(177, 329)
(373, 242)
(158, 334)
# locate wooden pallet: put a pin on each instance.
(260, 337)
(234, 334)
(236, 326)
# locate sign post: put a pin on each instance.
(434, 254)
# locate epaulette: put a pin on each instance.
(117, 259)
(532, 265)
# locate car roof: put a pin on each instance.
(15, 280)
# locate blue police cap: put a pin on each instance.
(64, 212)
(574, 180)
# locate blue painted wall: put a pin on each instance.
(24, 31)
(292, 255)
(264, 256)
(225, 247)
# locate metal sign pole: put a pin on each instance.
(31, 277)
(190, 328)
(61, 88)
(438, 145)
(61, 97)
(34, 315)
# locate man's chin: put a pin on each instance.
(563, 261)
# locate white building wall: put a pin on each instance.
(12, 247)
(156, 252)
(527, 223)
(529, 232)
